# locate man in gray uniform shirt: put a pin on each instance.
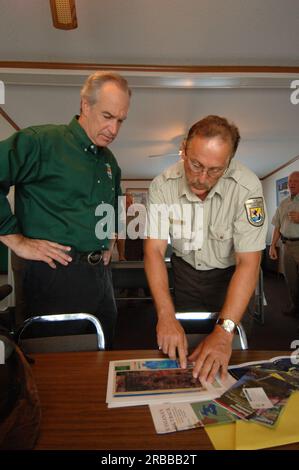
(286, 227)
(214, 212)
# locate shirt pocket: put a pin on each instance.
(181, 235)
(221, 238)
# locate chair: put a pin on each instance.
(5, 290)
(131, 275)
(60, 333)
(259, 300)
(7, 316)
(199, 324)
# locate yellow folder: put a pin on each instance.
(243, 435)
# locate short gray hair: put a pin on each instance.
(215, 126)
(96, 80)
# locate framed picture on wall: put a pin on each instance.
(139, 195)
(282, 190)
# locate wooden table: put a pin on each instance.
(72, 389)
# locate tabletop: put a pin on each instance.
(72, 390)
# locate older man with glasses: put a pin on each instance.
(212, 206)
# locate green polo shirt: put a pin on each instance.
(61, 182)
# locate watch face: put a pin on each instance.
(227, 324)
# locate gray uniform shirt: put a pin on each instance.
(281, 221)
(206, 234)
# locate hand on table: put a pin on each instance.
(212, 355)
(172, 340)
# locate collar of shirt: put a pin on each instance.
(176, 172)
(80, 134)
(233, 172)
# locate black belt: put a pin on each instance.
(285, 239)
(92, 257)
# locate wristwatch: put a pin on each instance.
(228, 325)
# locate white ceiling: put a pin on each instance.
(164, 32)
(215, 32)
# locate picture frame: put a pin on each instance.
(282, 190)
(139, 195)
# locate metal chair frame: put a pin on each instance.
(66, 317)
(200, 316)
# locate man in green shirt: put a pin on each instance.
(65, 179)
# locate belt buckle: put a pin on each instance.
(94, 257)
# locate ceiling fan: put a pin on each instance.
(64, 14)
(179, 138)
(158, 155)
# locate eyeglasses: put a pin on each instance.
(199, 169)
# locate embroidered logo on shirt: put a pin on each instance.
(255, 211)
(109, 170)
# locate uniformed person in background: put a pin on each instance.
(286, 227)
(216, 221)
(61, 174)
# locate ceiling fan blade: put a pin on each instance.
(160, 155)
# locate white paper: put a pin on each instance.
(170, 417)
(257, 398)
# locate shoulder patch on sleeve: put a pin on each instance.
(255, 211)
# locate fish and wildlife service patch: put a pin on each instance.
(255, 211)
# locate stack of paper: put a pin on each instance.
(278, 378)
(259, 391)
(146, 381)
(257, 396)
(243, 435)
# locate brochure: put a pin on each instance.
(146, 381)
(171, 417)
(271, 382)
(284, 365)
(236, 399)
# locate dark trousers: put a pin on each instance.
(18, 267)
(291, 271)
(78, 287)
(201, 290)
